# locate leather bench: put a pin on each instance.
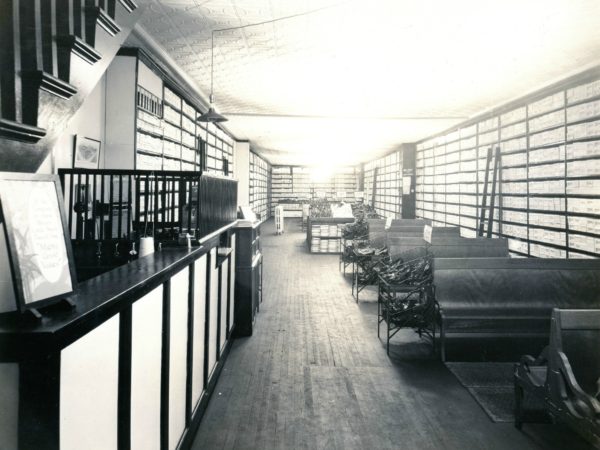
(510, 298)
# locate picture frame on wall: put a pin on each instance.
(33, 219)
(86, 153)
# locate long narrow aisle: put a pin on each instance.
(314, 375)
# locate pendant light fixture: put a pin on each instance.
(211, 115)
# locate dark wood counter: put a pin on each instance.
(178, 298)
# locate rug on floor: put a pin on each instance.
(490, 384)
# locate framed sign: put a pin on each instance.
(427, 231)
(37, 237)
(86, 154)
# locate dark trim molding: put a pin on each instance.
(79, 48)
(49, 83)
(104, 20)
(190, 346)
(124, 401)
(165, 366)
(219, 305)
(39, 403)
(129, 5)
(228, 319)
(207, 318)
(20, 131)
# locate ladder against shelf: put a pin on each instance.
(550, 165)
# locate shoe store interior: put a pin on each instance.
(299, 224)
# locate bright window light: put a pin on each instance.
(320, 174)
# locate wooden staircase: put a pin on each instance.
(53, 53)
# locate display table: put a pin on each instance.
(324, 235)
(292, 208)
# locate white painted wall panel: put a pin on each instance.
(146, 370)
(178, 356)
(89, 372)
(199, 327)
(214, 302)
(224, 283)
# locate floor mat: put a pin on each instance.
(490, 384)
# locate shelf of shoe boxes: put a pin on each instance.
(166, 135)
(259, 182)
(167, 141)
(159, 133)
(550, 175)
(282, 189)
(325, 238)
(219, 147)
(293, 186)
(388, 195)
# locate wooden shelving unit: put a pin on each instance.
(168, 137)
(324, 234)
(292, 186)
(548, 194)
(260, 181)
(152, 126)
(384, 175)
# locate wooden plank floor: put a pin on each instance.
(315, 376)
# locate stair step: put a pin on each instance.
(49, 83)
(79, 47)
(99, 16)
(20, 131)
(129, 5)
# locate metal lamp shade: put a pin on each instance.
(211, 116)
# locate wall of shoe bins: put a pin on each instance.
(385, 175)
(550, 183)
(167, 135)
(260, 186)
(294, 185)
(550, 170)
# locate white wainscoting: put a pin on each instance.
(199, 328)
(89, 385)
(146, 344)
(224, 283)
(178, 355)
(214, 303)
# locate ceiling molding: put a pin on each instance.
(185, 82)
(590, 73)
(309, 116)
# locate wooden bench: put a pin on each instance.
(504, 298)
(565, 376)
(457, 247)
(408, 222)
(389, 293)
(438, 232)
(450, 247)
(376, 232)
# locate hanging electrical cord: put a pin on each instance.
(211, 115)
